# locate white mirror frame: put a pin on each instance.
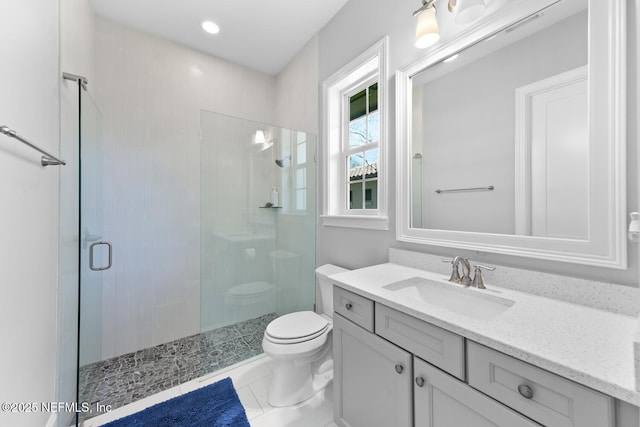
(606, 246)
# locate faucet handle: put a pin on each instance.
(477, 276)
(455, 274)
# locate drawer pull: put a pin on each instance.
(420, 381)
(348, 306)
(399, 368)
(525, 391)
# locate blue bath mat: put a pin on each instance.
(216, 405)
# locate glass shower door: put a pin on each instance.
(95, 251)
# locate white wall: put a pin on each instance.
(340, 41)
(481, 152)
(151, 92)
(29, 86)
(297, 91)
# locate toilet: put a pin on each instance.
(301, 345)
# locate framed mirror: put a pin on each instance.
(511, 135)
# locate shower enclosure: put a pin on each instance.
(257, 258)
(194, 281)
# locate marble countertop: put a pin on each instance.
(589, 346)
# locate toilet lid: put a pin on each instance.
(251, 288)
(297, 326)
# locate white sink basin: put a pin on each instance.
(468, 302)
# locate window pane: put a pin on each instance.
(301, 199)
(355, 195)
(355, 169)
(358, 105)
(301, 178)
(371, 160)
(301, 157)
(373, 97)
(374, 127)
(371, 194)
(301, 137)
(358, 132)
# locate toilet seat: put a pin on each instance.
(296, 327)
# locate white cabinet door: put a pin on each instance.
(443, 401)
(372, 379)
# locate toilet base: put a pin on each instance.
(294, 382)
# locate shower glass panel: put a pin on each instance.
(257, 253)
(81, 226)
(94, 256)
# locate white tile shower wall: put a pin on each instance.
(604, 296)
(29, 216)
(151, 93)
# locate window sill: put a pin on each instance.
(356, 221)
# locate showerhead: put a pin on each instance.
(281, 162)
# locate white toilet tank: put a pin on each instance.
(326, 286)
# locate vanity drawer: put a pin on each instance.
(547, 398)
(354, 307)
(437, 346)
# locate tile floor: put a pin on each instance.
(251, 379)
(128, 378)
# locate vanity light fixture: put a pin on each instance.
(259, 138)
(210, 27)
(261, 141)
(634, 227)
(427, 31)
(466, 11)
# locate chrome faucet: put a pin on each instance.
(465, 279)
(455, 273)
(477, 276)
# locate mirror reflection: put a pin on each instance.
(500, 138)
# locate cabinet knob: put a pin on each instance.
(348, 306)
(420, 381)
(525, 391)
(399, 368)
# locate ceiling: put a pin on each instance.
(262, 35)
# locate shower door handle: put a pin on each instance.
(93, 245)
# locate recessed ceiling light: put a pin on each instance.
(210, 27)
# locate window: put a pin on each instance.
(361, 151)
(294, 161)
(300, 172)
(355, 183)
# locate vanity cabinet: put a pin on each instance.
(372, 379)
(543, 396)
(392, 369)
(442, 401)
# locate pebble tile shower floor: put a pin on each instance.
(124, 379)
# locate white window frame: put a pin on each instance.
(361, 71)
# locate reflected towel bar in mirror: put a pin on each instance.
(456, 190)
